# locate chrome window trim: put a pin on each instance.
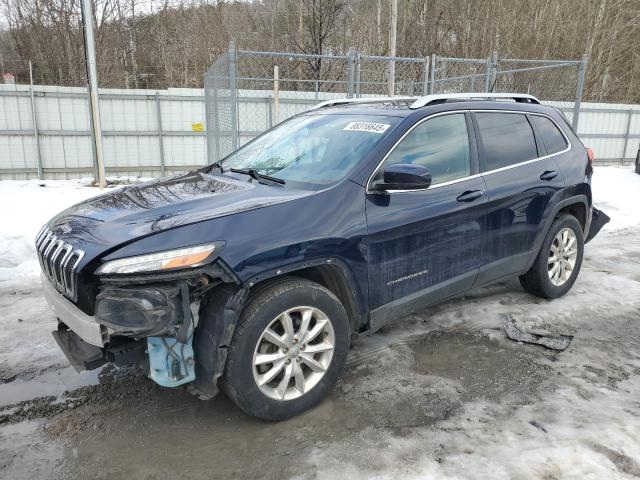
(469, 177)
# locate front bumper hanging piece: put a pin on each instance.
(171, 362)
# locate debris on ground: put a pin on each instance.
(514, 332)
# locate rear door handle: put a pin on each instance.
(549, 175)
(469, 196)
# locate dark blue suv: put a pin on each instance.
(253, 273)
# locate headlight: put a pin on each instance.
(161, 261)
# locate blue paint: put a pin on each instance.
(161, 360)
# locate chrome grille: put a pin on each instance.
(59, 261)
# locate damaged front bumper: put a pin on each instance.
(85, 326)
(149, 324)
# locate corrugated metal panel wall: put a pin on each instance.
(132, 144)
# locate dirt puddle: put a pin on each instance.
(51, 383)
(129, 427)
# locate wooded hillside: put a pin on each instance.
(156, 44)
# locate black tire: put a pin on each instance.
(536, 281)
(263, 306)
(638, 161)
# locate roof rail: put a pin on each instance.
(418, 102)
(345, 101)
(428, 99)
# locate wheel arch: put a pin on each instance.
(576, 205)
(333, 274)
(220, 311)
(579, 211)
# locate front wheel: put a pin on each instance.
(557, 265)
(288, 350)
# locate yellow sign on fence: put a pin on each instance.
(197, 127)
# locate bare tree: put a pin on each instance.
(172, 43)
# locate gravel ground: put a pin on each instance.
(440, 394)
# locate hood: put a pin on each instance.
(136, 211)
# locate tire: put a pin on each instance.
(267, 308)
(638, 161)
(538, 280)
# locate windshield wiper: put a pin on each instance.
(253, 173)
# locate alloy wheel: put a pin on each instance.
(562, 257)
(293, 353)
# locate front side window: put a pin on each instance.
(314, 150)
(441, 144)
(551, 137)
(507, 139)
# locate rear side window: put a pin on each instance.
(507, 139)
(441, 144)
(551, 137)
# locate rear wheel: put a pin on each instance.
(558, 263)
(288, 350)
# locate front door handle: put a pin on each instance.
(469, 196)
(549, 175)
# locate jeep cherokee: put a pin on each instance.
(252, 274)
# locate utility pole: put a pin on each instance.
(393, 28)
(92, 88)
(132, 43)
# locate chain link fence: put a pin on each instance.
(372, 75)
(559, 82)
(458, 75)
(247, 92)
(221, 106)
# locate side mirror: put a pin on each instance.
(403, 176)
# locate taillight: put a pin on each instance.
(590, 155)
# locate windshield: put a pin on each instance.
(313, 149)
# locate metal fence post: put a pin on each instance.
(487, 75)
(432, 85)
(579, 88)
(233, 94)
(358, 67)
(493, 71)
(160, 139)
(626, 136)
(35, 122)
(351, 75)
(425, 76)
(213, 131)
(276, 95)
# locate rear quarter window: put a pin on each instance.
(507, 139)
(552, 137)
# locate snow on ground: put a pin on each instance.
(616, 191)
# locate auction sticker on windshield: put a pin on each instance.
(367, 127)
